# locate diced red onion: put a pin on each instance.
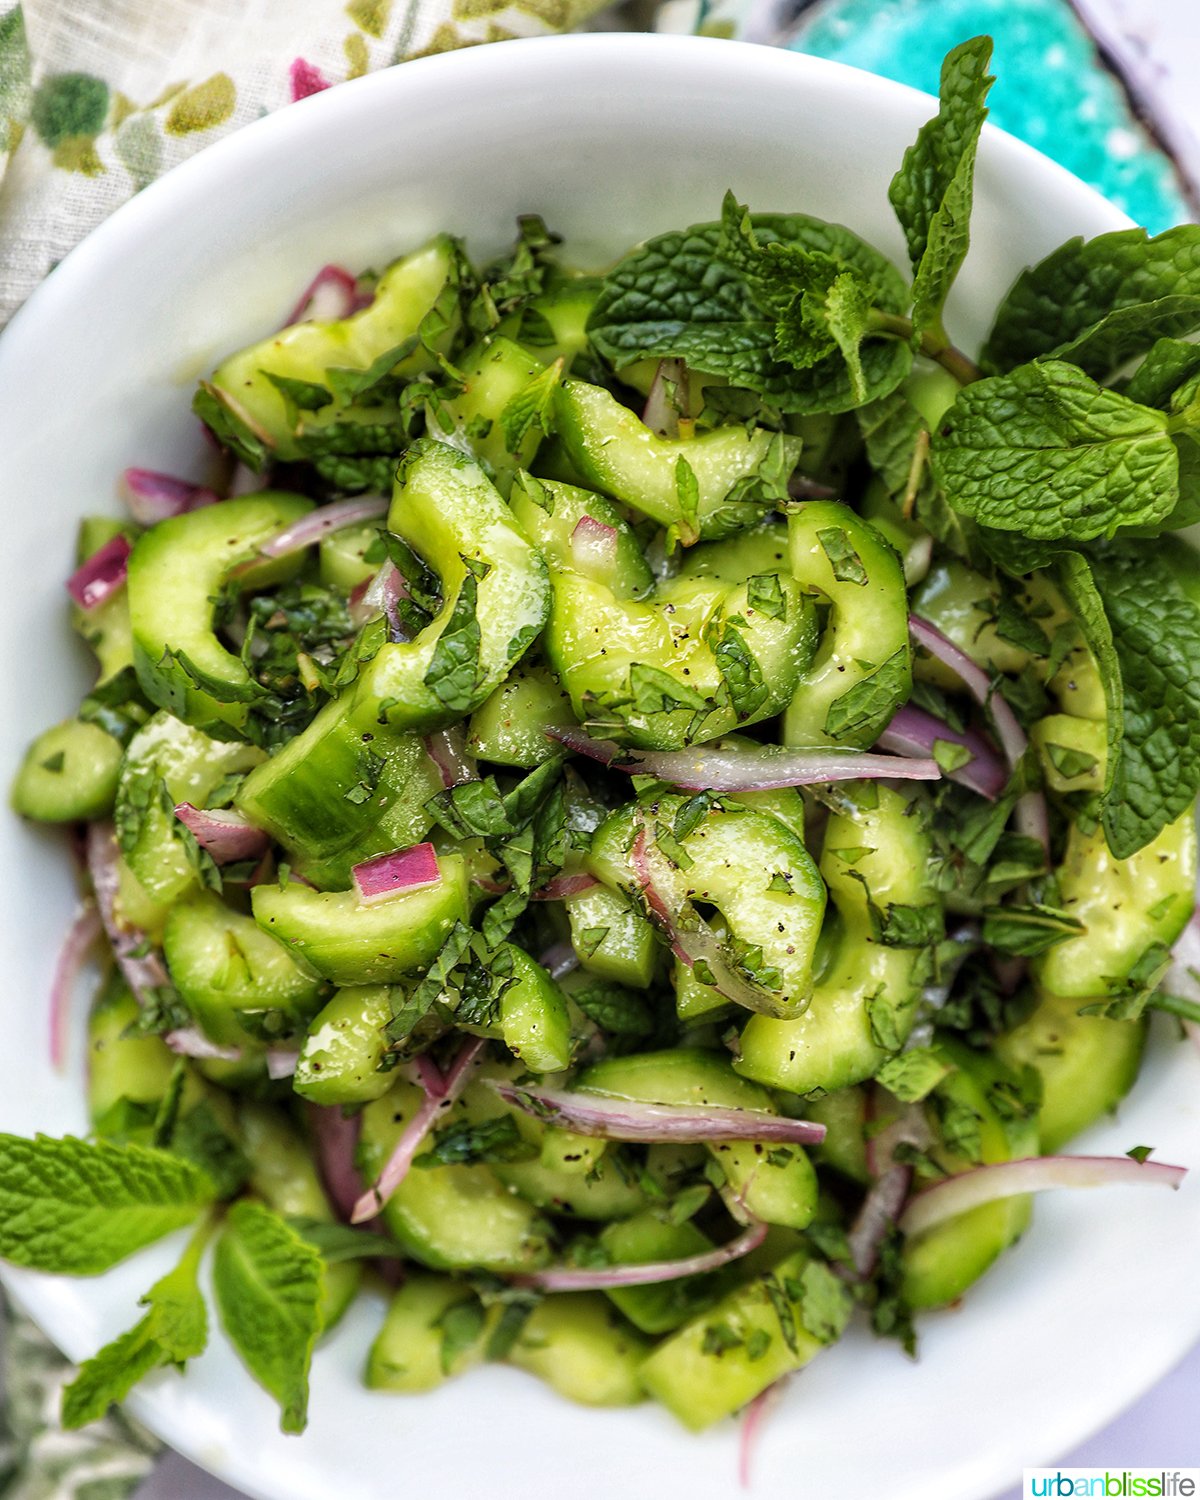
(142, 971)
(614, 1119)
(593, 546)
(1012, 1179)
(81, 937)
(101, 575)
(914, 732)
(190, 1041)
(563, 887)
(227, 836)
(153, 497)
(697, 941)
(601, 1278)
(331, 295)
(396, 1168)
(335, 1143)
(663, 405)
(389, 874)
(317, 524)
(753, 1421)
(281, 1062)
(559, 960)
(721, 767)
(447, 749)
(1031, 817)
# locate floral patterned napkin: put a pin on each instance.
(99, 97)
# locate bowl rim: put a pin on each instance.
(331, 109)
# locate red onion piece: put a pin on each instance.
(615, 1119)
(1012, 1179)
(190, 1041)
(153, 497)
(878, 1212)
(562, 887)
(906, 1127)
(382, 596)
(1030, 813)
(599, 1278)
(753, 1420)
(227, 836)
(559, 960)
(692, 940)
(594, 546)
(720, 767)
(142, 971)
(447, 749)
(390, 874)
(318, 523)
(81, 937)
(429, 1076)
(663, 405)
(244, 481)
(396, 1168)
(331, 295)
(101, 575)
(281, 1062)
(914, 732)
(335, 1142)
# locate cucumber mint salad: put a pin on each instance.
(642, 812)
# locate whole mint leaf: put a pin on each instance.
(1156, 637)
(78, 1207)
(1098, 302)
(932, 191)
(681, 296)
(268, 1281)
(1048, 453)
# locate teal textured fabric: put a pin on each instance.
(1052, 89)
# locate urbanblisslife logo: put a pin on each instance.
(1112, 1484)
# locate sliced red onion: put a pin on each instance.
(244, 481)
(1012, 1179)
(381, 595)
(317, 524)
(907, 1127)
(81, 937)
(594, 546)
(227, 836)
(878, 1213)
(335, 1144)
(101, 575)
(1031, 817)
(721, 767)
(389, 874)
(331, 295)
(190, 1041)
(696, 942)
(447, 749)
(601, 1278)
(914, 732)
(614, 1119)
(663, 405)
(142, 970)
(753, 1421)
(563, 887)
(560, 960)
(429, 1076)
(153, 497)
(281, 1062)
(396, 1168)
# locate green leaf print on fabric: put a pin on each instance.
(200, 108)
(15, 90)
(67, 106)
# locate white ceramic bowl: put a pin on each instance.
(612, 138)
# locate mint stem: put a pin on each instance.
(940, 350)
